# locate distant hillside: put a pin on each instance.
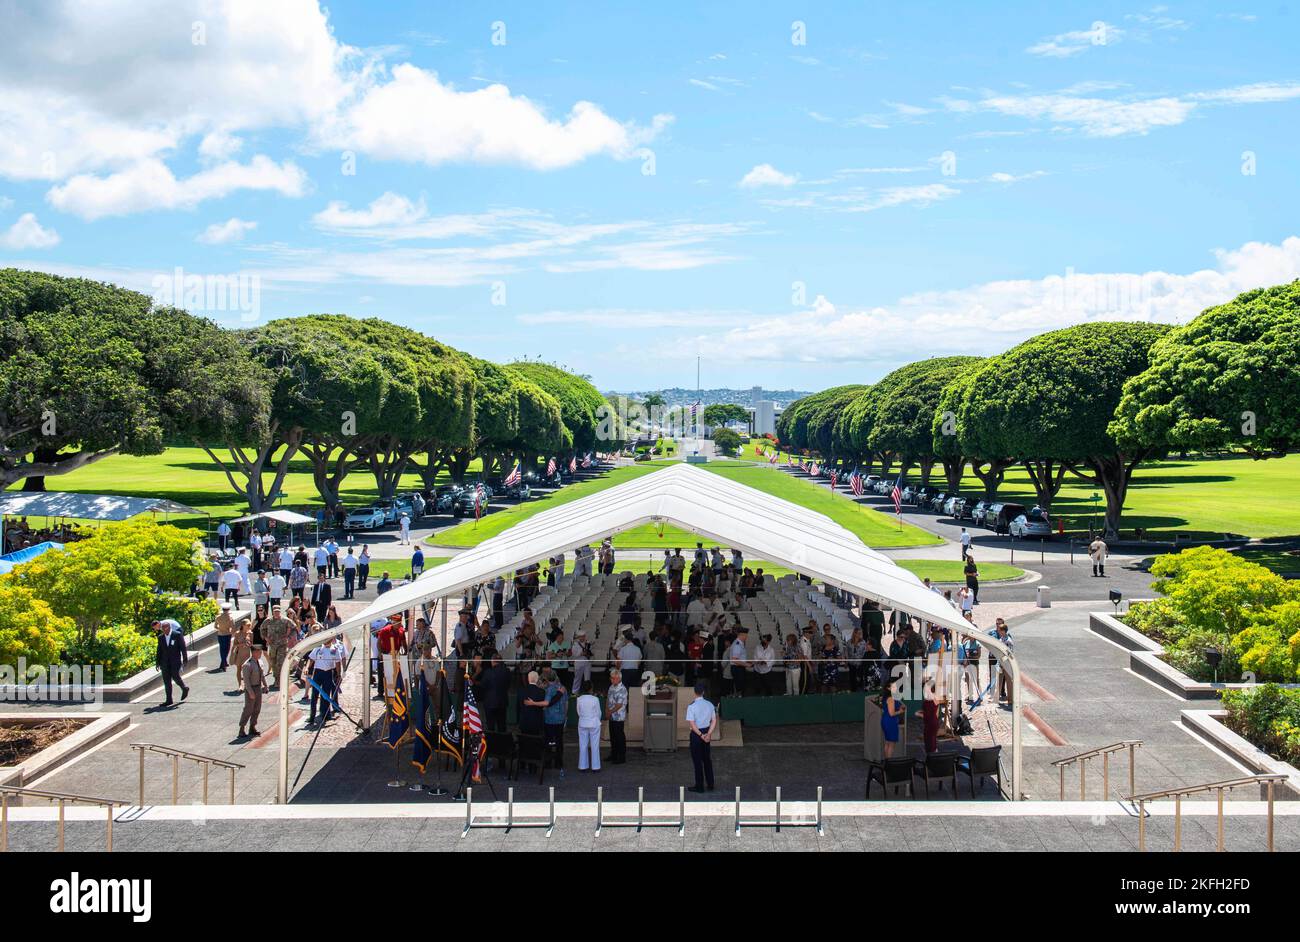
(678, 396)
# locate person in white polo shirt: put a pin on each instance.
(588, 729)
(323, 668)
(701, 717)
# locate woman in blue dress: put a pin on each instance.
(891, 710)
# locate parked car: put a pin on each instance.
(955, 507)
(365, 518)
(977, 512)
(922, 496)
(936, 503)
(1033, 524)
(444, 498)
(873, 480)
(998, 517)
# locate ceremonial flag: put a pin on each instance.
(856, 482)
(550, 467)
(816, 469)
(480, 498)
(515, 476)
(573, 465)
(472, 729)
(897, 495)
(586, 462)
(449, 738)
(422, 750)
(835, 479)
(399, 720)
(771, 459)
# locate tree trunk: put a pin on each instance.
(927, 468)
(1047, 476)
(458, 464)
(991, 475)
(1112, 473)
(388, 461)
(954, 469)
(249, 466)
(328, 473)
(886, 462)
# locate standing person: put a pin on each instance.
(792, 658)
(275, 635)
(223, 535)
(738, 659)
(588, 729)
(242, 564)
(764, 658)
(242, 648)
(253, 678)
(891, 710)
(275, 587)
(321, 597)
(405, 525)
(616, 712)
(498, 602)
(285, 562)
(363, 566)
(225, 627)
(332, 557)
(972, 579)
(965, 544)
(171, 657)
(231, 583)
(321, 557)
(701, 717)
(417, 563)
(1097, 550)
(298, 579)
(581, 652)
(261, 590)
(856, 652)
(322, 667)
(555, 715)
(494, 692)
(349, 565)
(212, 578)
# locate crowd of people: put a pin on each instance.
(20, 534)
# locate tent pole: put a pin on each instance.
(282, 789)
(365, 693)
(1015, 731)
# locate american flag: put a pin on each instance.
(480, 498)
(771, 459)
(897, 495)
(514, 477)
(470, 720)
(856, 482)
(835, 479)
(816, 469)
(790, 460)
(573, 465)
(586, 462)
(550, 467)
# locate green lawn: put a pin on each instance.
(873, 527)
(1201, 498)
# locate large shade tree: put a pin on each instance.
(905, 403)
(1228, 379)
(582, 407)
(89, 370)
(1048, 402)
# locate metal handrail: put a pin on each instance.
(62, 798)
(176, 755)
(1178, 794)
(1105, 752)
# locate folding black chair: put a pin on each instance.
(982, 761)
(501, 746)
(531, 748)
(938, 766)
(891, 772)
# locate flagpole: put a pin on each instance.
(397, 746)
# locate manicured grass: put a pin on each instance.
(873, 527)
(1201, 498)
(1278, 560)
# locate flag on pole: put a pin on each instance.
(856, 483)
(422, 750)
(771, 459)
(515, 476)
(399, 720)
(550, 467)
(816, 469)
(586, 462)
(449, 739)
(835, 479)
(472, 731)
(573, 465)
(480, 498)
(897, 495)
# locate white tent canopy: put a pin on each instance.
(721, 510)
(289, 517)
(87, 506)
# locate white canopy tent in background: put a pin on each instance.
(104, 507)
(724, 511)
(290, 518)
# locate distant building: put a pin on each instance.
(762, 417)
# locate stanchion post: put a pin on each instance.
(820, 827)
(600, 807)
(141, 751)
(1142, 825)
(1220, 800)
(681, 811)
(1132, 768)
(1105, 776)
(737, 810)
(176, 779)
(1178, 822)
(640, 807)
(206, 766)
(4, 822)
(1083, 779)
(232, 784)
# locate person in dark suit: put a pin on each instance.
(172, 657)
(321, 598)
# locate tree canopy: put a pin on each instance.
(1229, 378)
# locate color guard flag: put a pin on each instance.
(399, 720)
(422, 750)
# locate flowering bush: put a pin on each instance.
(1269, 717)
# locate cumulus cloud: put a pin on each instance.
(73, 113)
(767, 175)
(150, 184)
(224, 233)
(988, 318)
(27, 233)
(1073, 43)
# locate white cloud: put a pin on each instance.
(767, 175)
(223, 233)
(27, 233)
(988, 318)
(486, 125)
(623, 319)
(921, 195)
(150, 184)
(1068, 45)
(97, 99)
(1259, 92)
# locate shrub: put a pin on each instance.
(29, 629)
(192, 614)
(1269, 717)
(122, 649)
(1188, 655)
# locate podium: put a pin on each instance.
(659, 721)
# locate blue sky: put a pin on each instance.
(803, 194)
